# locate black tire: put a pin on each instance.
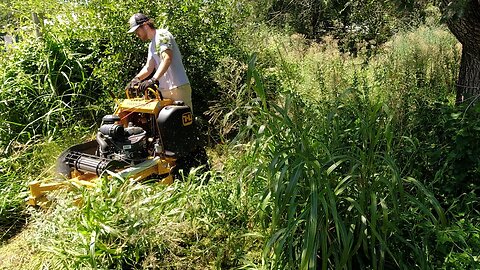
(195, 159)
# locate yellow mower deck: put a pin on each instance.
(139, 172)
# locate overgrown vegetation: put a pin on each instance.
(333, 153)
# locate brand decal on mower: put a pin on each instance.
(187, 119)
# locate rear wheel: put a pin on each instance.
(195, 159)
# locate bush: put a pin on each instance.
(447, 148)
(61, 79)
(45, 89)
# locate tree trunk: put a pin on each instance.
(315, 18)
(468, 83)
(466, 29)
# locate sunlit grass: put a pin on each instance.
(121, 224)
(32, 161)
(422, 64)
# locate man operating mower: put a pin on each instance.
(164, 61)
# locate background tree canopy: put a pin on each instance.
(373, 22)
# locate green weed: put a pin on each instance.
(121, 224)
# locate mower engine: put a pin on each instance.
(116, 142)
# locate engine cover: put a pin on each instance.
(133, 148)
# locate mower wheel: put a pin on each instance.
(195, 159)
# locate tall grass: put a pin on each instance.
(121, 224)
(420, 64)
(116, 226)
(338, 197)
(44, 90)
(44, 93)
(12, 216)
(30, 162)
(340, 193)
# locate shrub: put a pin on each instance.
(59, 79)
(447, 148)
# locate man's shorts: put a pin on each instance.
(183, 93)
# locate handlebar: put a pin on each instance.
(150, 90)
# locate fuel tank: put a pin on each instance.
(177, 129)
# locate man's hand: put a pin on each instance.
(150, 83)
(134, 82)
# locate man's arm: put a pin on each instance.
(147, 69)
(167, 60)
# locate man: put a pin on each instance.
(164, 58)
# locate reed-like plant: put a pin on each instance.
(338, 198)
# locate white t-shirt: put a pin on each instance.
(175, 75)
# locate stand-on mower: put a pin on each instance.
(146, 137)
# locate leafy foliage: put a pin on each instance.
(206, 38)
(355, 24)
(85, 50)
(447, 137)
(45, 89)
